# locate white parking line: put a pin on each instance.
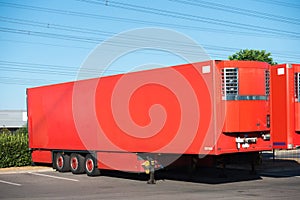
(49, 176)
(10, 183)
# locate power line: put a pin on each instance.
(293, 55)
(24, 81)
(280, 3)
(66, 28)
(241, 11)
(73, 29)
(32, 69)
(90, 31)
(190, 17)
(93, 16)
(49, 35)
(105, 33)
(45, 44)
(47, 68)
(43, 69)
(260, 32)
(80, 30)
(127, 43)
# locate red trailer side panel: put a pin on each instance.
(166, 110)
(296, 136)
(50, 120)
(41, 156)
(129, 162)
(284, 106)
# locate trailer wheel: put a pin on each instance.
(76, 163)
(62, 162)
(90, 166)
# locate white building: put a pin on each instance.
(13, 119)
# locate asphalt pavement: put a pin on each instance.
(204, 184)
(275, 179)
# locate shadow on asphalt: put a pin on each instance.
(212, 176)
(203, 175)
(281, 163)
(278, 168)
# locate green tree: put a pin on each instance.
(252, 54)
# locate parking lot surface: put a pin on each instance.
(203, 184)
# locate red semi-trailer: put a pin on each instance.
(129, 121)
(285, 101)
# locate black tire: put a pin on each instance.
(77, 163)
(90, 166)
(62, 162)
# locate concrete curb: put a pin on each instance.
(20, 170)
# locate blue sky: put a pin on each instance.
(44, 42)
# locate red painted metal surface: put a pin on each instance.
(129, 162)
(284, 107)
(50, 121)
(177, 110)
(246, 117)
(296, 134)
(243, 115)
(39, 156)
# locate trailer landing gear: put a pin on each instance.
(149, 167)
(255, 159)
(222, 173)
(221, 162)
(151, 179)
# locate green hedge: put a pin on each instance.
(14, 150)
